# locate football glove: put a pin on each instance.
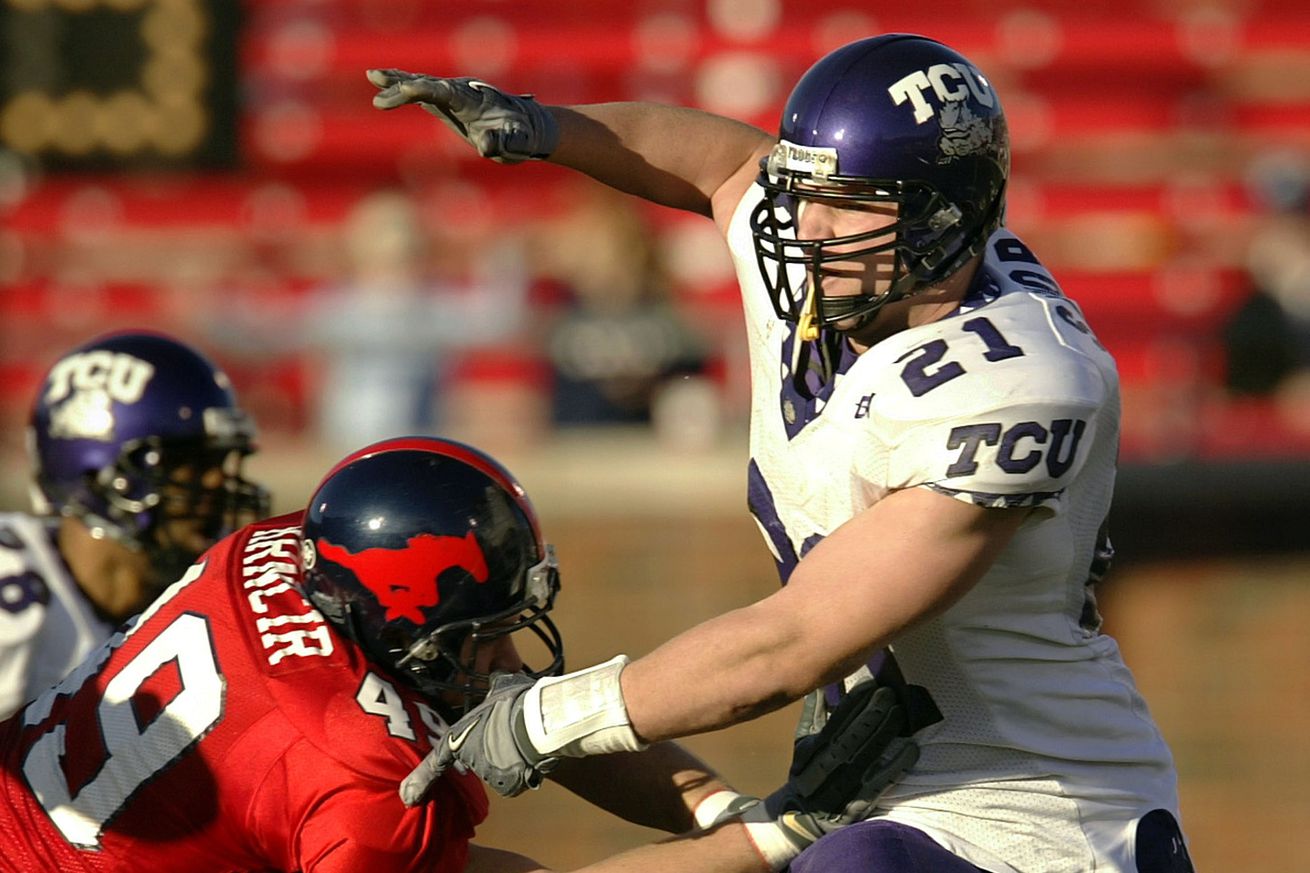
(842, 762)
(778, 838)
(521, 730)
(488, 741)
(841, 769)
(506, 128)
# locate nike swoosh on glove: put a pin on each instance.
(491, 741)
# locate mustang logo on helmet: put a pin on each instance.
(405, 580)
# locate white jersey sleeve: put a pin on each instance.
(46, 624)
(972, 406)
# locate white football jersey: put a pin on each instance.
(47, 626)
(1046, 753)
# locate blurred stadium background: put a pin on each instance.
(214, 169)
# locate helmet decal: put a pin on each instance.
(405, 580)
(82, 389)
(951, 83)
(964, 132)
(424, 551)
(141, 438)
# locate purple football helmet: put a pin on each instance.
(127, 433)
(897, 119)
(420, 549)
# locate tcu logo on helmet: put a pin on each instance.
(92, 381)
(121, 376)
(405, 580)
(951, 83)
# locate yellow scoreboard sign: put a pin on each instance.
(119, 82)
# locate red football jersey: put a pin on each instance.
(231, 728)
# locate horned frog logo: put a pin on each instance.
(963, 132)
(82, 389)
(86, 415)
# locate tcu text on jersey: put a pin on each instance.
(1011, 456)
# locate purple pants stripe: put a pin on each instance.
(881, 846)
(891, 847)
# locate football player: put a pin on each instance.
(137, 444)
(258, 715)
(934, 433)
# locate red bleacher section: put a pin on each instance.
(1132, 125)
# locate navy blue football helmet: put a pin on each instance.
(897, 119)
(131, 431)
(420, 549)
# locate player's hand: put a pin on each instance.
(841, 765)
(779, 838)
(506, 128)
(490, 740)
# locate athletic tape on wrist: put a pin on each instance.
(709, 809)
(767, 836)
(581, 713)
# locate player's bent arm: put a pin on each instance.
(657, 788)
(901, 561)
(672, 155)
(725, 849)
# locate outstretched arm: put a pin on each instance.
(902, 561)
(674, 156)
(671, 155)
(905, 559)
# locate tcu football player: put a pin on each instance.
(137, 444)
(259, 714)
(934, 431)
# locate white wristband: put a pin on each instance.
(709, 809)
(766, 835)
(581, 713)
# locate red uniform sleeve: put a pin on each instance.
(231, 729)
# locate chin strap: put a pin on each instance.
(806, 327)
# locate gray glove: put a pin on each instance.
(490, 740)
(840, 769)
(504, 127)
(780, 836)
